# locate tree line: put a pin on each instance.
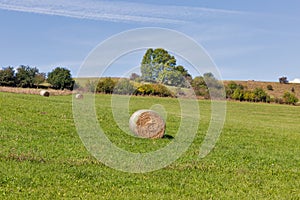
(238, 92)
(159, 69)
(30, 77)
(126, 86)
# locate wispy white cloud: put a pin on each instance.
(114, 11)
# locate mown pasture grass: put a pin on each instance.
(42, 157)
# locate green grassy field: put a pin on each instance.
(42, 157)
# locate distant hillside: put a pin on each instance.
(278, 89)
(84, 80)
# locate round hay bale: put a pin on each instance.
(44, 93)
(79, 96)
(147, 124)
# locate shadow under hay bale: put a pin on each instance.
(169, 137)
(147, 124)
(45, 93)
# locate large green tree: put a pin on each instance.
(154, 62)
(60, 78)
(159, 66)
(25, 76)
(7, 76)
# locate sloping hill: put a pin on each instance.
(278, 89)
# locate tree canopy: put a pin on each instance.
(60, 78)
(159, 66)
(25, 76)
(7, 76)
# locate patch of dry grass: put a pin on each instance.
(34, 91)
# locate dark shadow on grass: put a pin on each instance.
(169, 137)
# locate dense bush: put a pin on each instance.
(124, 86)
(161, 90)
(238, 94)
(199, 86)
(260, 95)
(145, 89)
(269, 87)
(106, 86)
(153, 89)
(249, 96)
(290, 98)
(231, 87)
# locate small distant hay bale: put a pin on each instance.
(147, 124)
(79, 96)
(44, 93)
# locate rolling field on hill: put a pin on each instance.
(278, 89)
(42, 157)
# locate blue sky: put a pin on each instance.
(247, 40)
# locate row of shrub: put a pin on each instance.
(126, 87)
(238, 92)
(233, 91)
(153, 89)
(199, 84)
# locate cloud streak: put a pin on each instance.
(296, 80)
(115, 11)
